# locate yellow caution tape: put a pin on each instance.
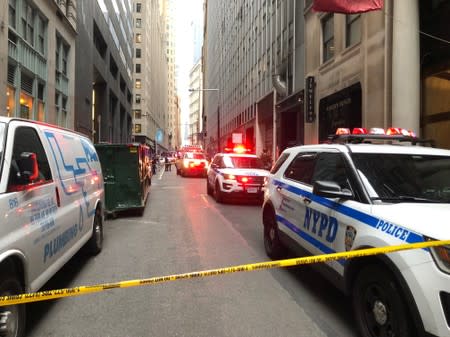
(82, 290)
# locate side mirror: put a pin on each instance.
(330, 189)
(213, 166)
(28, 167)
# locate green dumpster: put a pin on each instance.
(127, 176)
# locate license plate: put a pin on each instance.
(252, 190)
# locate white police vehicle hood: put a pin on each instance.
(430, 220)
(245, 172)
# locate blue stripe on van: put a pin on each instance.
(359, 216)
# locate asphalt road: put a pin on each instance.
(184, 230)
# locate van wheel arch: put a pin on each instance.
(15, 265)
(12, 281)
(355, 266)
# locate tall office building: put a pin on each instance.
(37, 60)
(195, 104)
(173, 115)
(103, 70)
(254, 56)
(150, 76)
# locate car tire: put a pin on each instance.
(208, 188)
(272, 244)
(378, 305)
(95, 243)
(218, 195)
(12, 317)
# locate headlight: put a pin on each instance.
(441, 255)
(229, 176)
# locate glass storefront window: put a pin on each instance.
(10, 101)
(41, 111)
(26, 105)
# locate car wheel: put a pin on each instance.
(12, 317)
(95, 243)
(272, 244)
(208, 188)
(218, 195)
(378, 305)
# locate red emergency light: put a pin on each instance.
(238, 149)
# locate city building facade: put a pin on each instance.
(37, 60)
(379, 69)
(254, 56)
(173, 115)
(289, 75)
(150, 76)
(103, 70)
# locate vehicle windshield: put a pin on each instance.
(243, 162)
(194, 155)
(405, 177)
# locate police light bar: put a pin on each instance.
(239, 149)
(358, 135)
(376, 131)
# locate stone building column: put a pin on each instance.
(406, 65)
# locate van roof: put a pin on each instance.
(10, 119)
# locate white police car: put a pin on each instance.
(360, 193)
(236, 174)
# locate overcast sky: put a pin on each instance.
(186, 11)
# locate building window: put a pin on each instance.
(28, 23)
(137, 128)
(10, 101)
(137, 85)
(137, 99)
(138, 53)
(138, 38)
(138, 23)
(138, 68)
(352, 29)
(138, 7)
(41, 35)
(328, 37)
(138, 114)
(12, 13)
(61, 55)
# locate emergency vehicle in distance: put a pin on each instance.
(191, 161)
(236, 174)
(362, 190)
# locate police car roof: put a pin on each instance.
(232, 154)
(373, 148)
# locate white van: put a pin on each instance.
(51, 205)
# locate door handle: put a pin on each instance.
(279, 188)
(306, 201)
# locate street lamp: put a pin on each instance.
(218, 111)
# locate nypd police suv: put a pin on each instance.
(51, 205)
(236, 174)
(362, 191)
